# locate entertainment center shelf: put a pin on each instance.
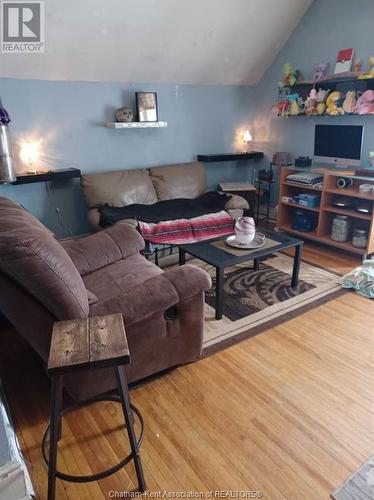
(324, 213)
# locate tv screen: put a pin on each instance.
(340, 144)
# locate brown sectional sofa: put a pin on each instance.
(42, 281)
(124, 187)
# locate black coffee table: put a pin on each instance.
(220, 258)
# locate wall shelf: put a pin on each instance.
(120, 125)
(342, 83)
(52, 175)
(216, 157)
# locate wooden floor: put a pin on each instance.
(289, 412)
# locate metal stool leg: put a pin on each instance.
(55, 408)
(127, 413)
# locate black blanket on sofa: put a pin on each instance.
(179, 208)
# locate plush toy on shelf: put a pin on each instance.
(357, 65)
(365, 103)
(321, 100)
(334, 104)
(371, 156)
(289, 76)
(350, 101)
(319, 71)
(281, 109)
(369, 74)
(294, 109)
(311, 103)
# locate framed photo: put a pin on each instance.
(146, 105)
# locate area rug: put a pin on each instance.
(360, 485)
(255, 301)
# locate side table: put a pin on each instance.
(244, 189)
(95, 342)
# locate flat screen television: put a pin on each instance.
(339, 144)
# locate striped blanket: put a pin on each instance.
(180, 231)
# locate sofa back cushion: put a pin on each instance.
(118, 188)
(183, 180)
(31, 256)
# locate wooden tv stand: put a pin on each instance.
(326, 211)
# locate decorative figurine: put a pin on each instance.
(294, 104)
(371, 156)
(289, 76)
(281, 109)
(124, 115)
(319, 71)
(311, 103)
(350, 100)
(357, 65)
(365, 103)
(333, 103)
(370, 74)
(321, 100)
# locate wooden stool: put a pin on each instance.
(80, 344)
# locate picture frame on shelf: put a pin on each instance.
(146, 106)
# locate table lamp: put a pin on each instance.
(29, 154)
(247, 138)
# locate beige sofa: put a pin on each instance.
(124, 187)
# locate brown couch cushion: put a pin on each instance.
(118, 188)
(184, 180)
(99, 250)
(31, 256)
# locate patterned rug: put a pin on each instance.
(247, 292)
(255, 301)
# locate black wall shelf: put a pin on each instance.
(54, 175)
(251, 155)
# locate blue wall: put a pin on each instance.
(327, 27)
(69, 118)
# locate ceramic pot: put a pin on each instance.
(245, 230)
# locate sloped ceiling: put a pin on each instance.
(159, 41)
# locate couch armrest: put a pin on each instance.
(156, 295)
(106, 247)
(236, 202)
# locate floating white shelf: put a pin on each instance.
(137, 125)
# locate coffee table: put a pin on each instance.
(217, 254)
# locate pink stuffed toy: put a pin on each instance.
(365, 103)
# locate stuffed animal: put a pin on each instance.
(369, 74)
(289, 76)
(321, 100)
(319, 71)
(281, 109)
(311, 103)
(333, 103)
(371, 156)
(365, 103)
(350, 100)
(294, 104)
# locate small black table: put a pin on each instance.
(220, 259)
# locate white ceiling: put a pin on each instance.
(159, 41)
